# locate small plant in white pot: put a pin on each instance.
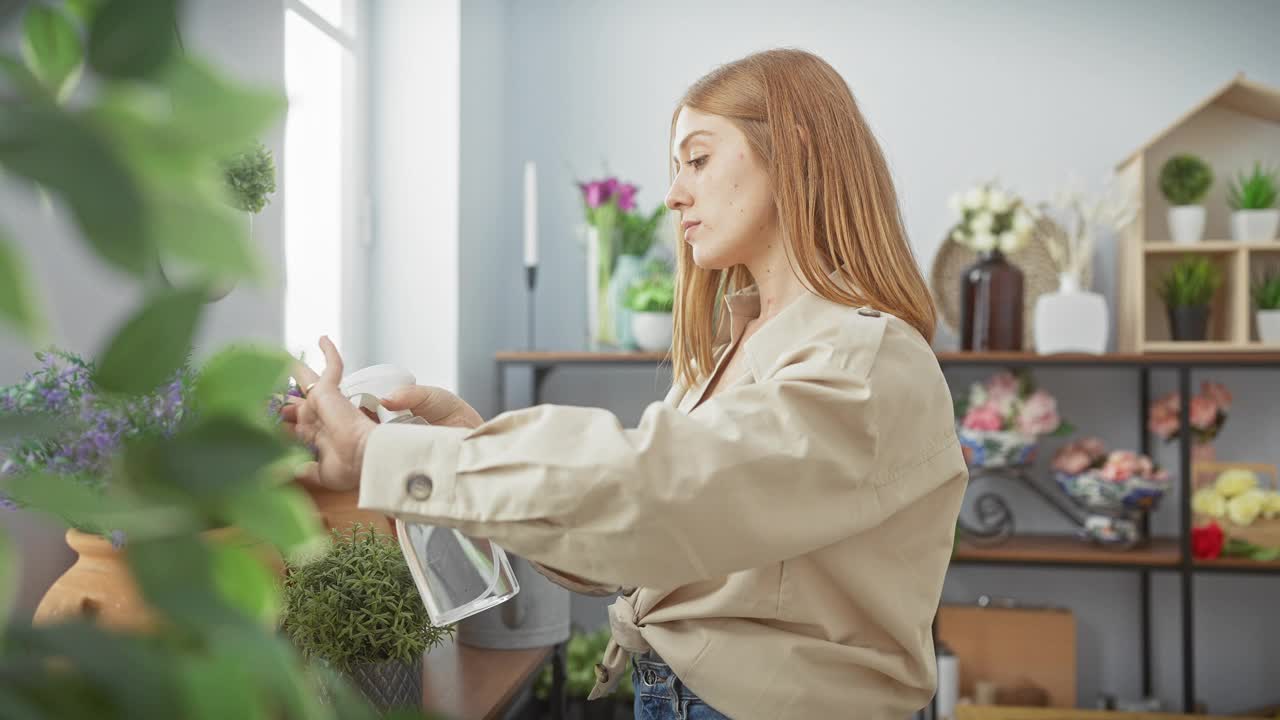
(651, 301)
(1252, 198)
(1185, 180)
(1266, 295)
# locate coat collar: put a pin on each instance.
(799, 319)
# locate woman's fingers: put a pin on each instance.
(408, 397)
(332, 362)
(308, 473)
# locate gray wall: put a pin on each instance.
(84, 302)
(957, 92)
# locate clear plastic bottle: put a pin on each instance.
(457, 575)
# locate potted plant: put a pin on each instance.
(249, 179)
(1252, 198)
(636, 233)
(1185, 180)
(1266, 295)
(992, 223)
(651, 301)
(1002, 419)
(355, 609)
(1187, 291)
(582, 652)
(605, 203)
(1074, 319)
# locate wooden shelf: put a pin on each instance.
(1068, 551)
(1235, 564)
(1170, 354)
(460, 681)
(1209, 246)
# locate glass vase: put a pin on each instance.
(600, 255)
(626, 271)
(991, 304)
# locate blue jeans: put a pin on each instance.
(661, 696)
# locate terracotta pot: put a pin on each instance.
(339, 508)
(100, 587)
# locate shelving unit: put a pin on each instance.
(1236, 126)
(1170, 554)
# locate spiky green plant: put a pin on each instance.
(1266, 293)
(1191, 282)
(1255, 191)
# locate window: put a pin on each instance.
(324, 169)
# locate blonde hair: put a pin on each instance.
(834, 193)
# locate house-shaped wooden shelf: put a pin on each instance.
(1233, 128)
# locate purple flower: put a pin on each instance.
(593, 194)
(627, 197)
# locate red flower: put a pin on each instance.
(1207, 541)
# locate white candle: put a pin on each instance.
(530, 215)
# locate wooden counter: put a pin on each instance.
(466, 683)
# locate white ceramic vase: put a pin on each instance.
(1254, 225)
(651, 330)
(1269, 326)
(1071, 319)
(1186, 224)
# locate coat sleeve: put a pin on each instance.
(757, 474)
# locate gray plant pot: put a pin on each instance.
(393, 684)
(538, 616)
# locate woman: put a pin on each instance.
(781, 523)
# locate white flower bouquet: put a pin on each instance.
(991, 218)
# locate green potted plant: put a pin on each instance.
(582, 652)
(1187, 291)
(1266, 295)
(249, 179)
(651, 300)
(1252, 198)
(1185, 180)
(355, 608)
(636, 233)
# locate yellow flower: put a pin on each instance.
(1244, 508)
(1271, 508)
(1235, 481)
(1207, 501)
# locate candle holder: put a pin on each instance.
(530, 282)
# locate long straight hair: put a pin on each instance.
(835, 198)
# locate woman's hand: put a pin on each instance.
(328, 422)
(435, 405)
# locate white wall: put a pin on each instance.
(85, 303)
(414, 136)
(957, 92)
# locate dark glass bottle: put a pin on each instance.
(991, 304)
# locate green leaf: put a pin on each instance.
(60, 152)
(176, 576)
(283, 516)
(17, 300)
(245, 583)
(203, 231)
(219, 457)
(132, 38)
(71, 501)
(51, 47)
(152, 345)
(239, 380)
(9, 576)
(220, 116)
(83, 10)
(207, 683)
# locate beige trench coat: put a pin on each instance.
(782, 546)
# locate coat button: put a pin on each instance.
(868, 311)
(419, 486)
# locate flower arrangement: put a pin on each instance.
(90, 427)
(1003, 417)
(1185, 179)
(1068, 222)
(250, 177)
(1208, 413)
(1108, 480)
(1236, 497)
(1209, 542)
(1256, 191)
(991, 218)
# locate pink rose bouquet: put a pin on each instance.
(1003, 418)
(1207, 413)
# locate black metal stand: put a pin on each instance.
(530, 283)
